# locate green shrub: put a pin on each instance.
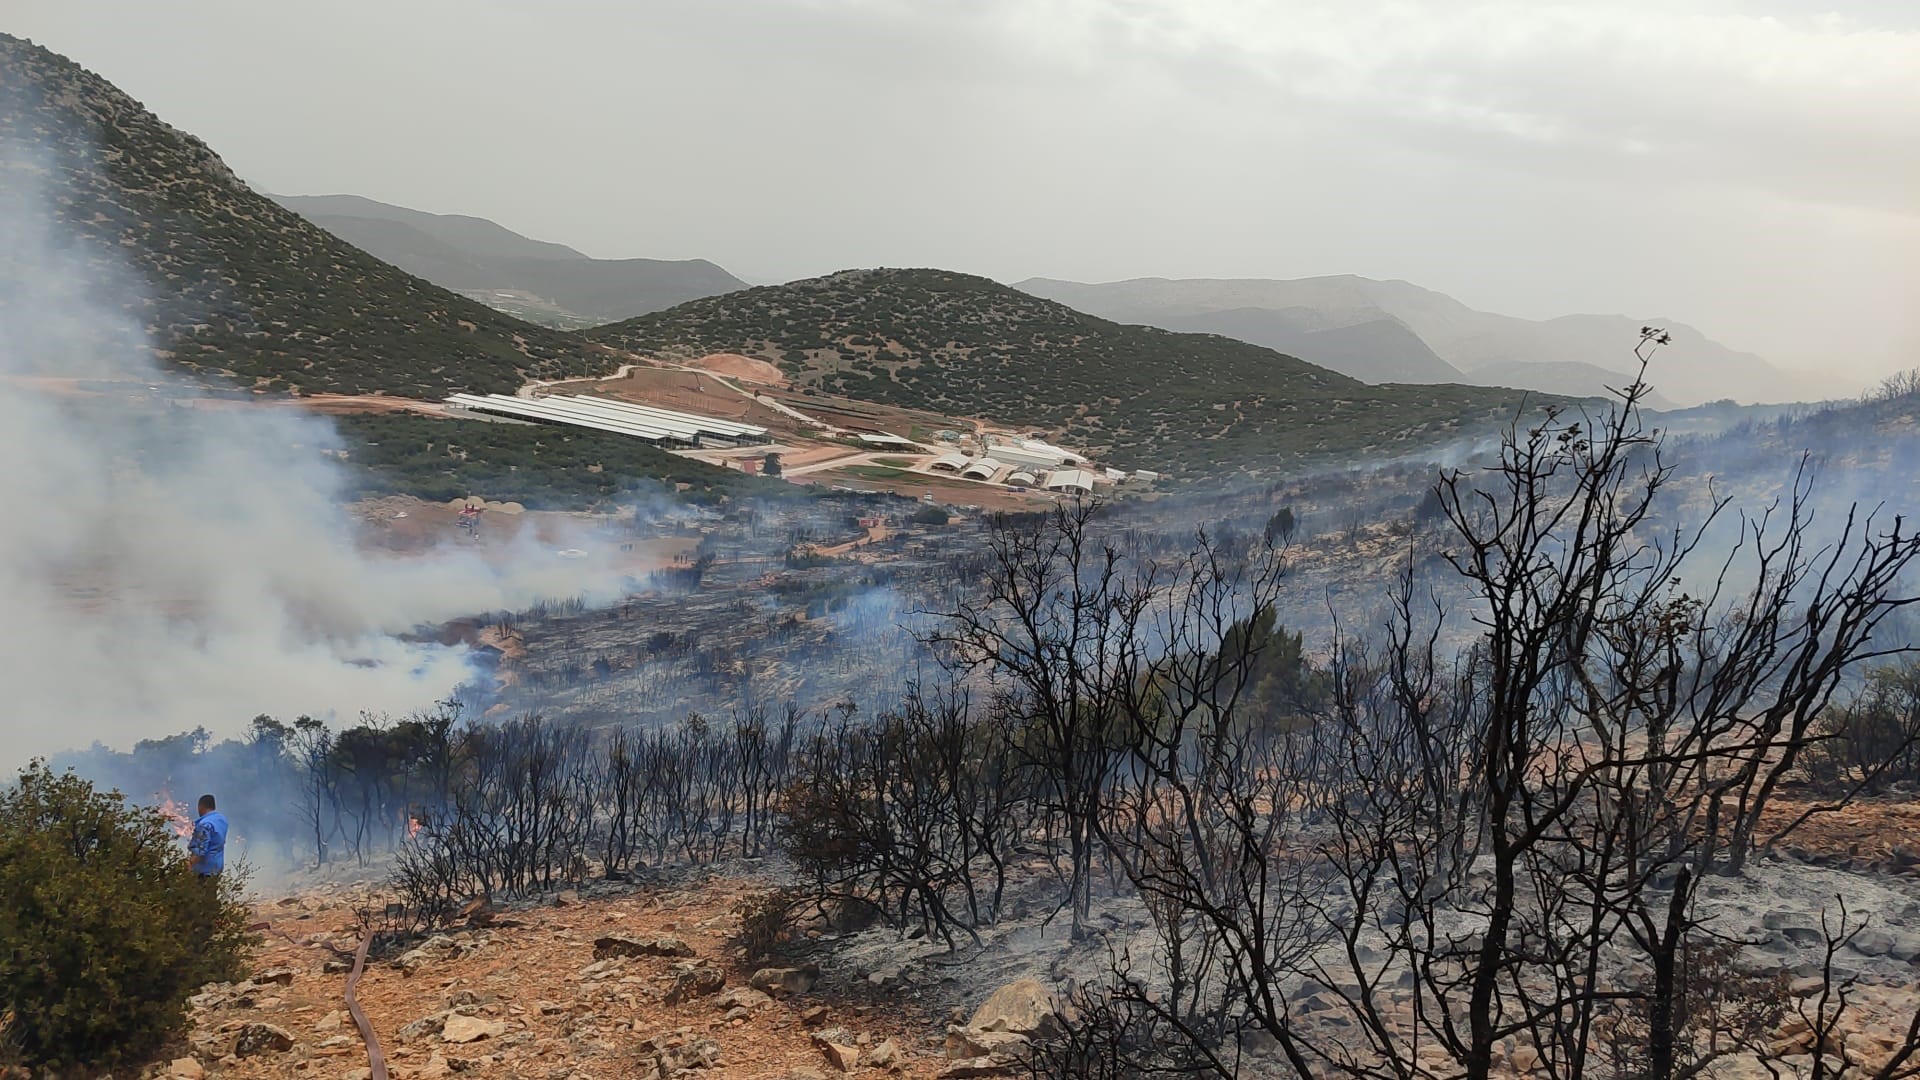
(105, 931)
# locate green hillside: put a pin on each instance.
(234, 284)
(1146, 398)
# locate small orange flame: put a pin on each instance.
(177, 816)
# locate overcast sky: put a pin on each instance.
(1750, 167)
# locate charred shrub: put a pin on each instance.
(105, 931)
(766, 922)
(914, 815)
(1873, 742)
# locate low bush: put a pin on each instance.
(105, 931)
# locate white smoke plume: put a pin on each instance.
(165, 566)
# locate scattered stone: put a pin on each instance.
(422, 1028)
(330, 1023)
(185, 1069)
(437, 948)
(743, 997)
(839, 1055)
(1872, 942)
(336, 967)
(466, 1029)
(782, 982)
(971, 1067)
(971, 1042)
(628, 945)
(692, 979)
(674, 1051)
(885, 1055)
(262, 1039)
(814, 1017)
(274, 976)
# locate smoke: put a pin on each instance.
(171, 561)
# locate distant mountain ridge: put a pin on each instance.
(1573, 354)
(1374, 351)
(549, 282)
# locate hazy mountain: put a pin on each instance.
(471, 235)
(550, 282)
(1486, 348)
(967, 346)
(1375, 351)
(224, 279)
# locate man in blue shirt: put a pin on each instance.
(207, 851)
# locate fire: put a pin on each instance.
(177, 816)
(413, 827)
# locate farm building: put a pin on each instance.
(662, 427)
(1021, 478)
(892, 442)
(1033, 452)
(982, 469)
(1074, 480)
(952, 463)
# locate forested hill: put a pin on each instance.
(1148, 398)
(229, 282)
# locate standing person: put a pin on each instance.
(207, 851)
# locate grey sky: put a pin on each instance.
(1750, 167)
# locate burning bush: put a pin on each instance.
(105, 931)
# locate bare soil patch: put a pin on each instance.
(736, 366)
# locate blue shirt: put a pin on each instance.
(209, 843)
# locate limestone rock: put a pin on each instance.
(782, 982)
(466, 1029)
(885, 1055)
(627, 945)
(421, 1028)
(971, 1042)
(262, 1039)
(277, 976)
(1024, 1007)
(185, 1069)
(330, 1023)
(971, 1067)
(437, 948)
(1873, 942)
(694, 979)
(742, 997)
(840, 1056)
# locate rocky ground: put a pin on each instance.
(619, 981)
(650, 980)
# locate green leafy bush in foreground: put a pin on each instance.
(105, 931)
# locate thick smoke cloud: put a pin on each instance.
(169, 561)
